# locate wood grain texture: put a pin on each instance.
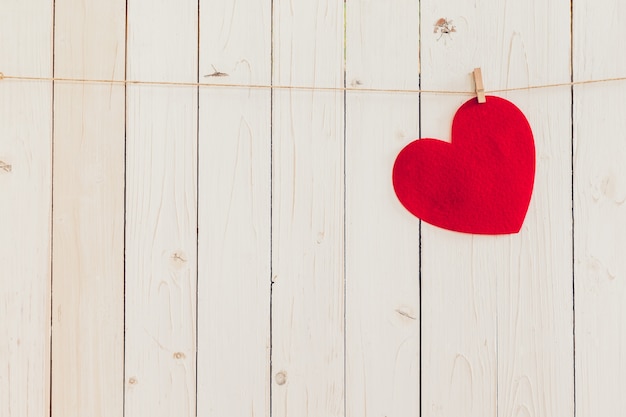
(234, 211)
(25, 208)
(535, 300)
(459, 305)
(599, 210)
(382, 256)
(293, 214)
(88, 223)
(161, 210)
(308, 211)
(497, 311)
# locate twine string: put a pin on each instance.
(299, 87)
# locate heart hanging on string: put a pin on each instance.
(481, 182)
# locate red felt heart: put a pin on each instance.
(479, 183)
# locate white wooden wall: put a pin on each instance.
(175, 251)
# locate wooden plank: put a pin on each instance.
(497, 319)
(535, 310)
(599, 210)
(382, 239)
(459, 307)
(25, 211)
(161, 210)
(307, 211)
(234, 210)
(88, 222)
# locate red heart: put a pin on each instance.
(479, 183)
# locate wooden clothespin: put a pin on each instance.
(480, 88)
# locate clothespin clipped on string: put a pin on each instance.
(480, 88)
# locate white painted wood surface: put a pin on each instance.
(308, 211)
(88, 216)
(599, 210)
(224, 251)
(382, 257)
(25, 208)
(161, 210)
(234, 210)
